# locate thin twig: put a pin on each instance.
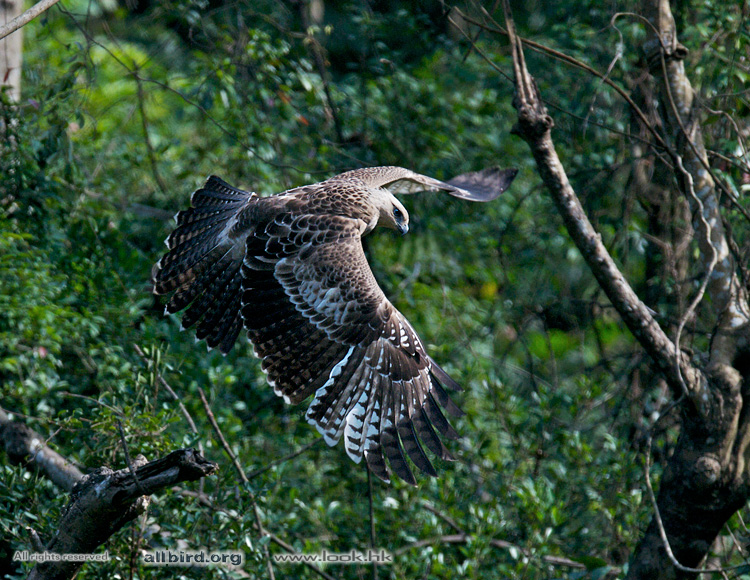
(447, 519)
(205, 500)
(281, 543)
(577, 63)
(662, 50)
(116, 411)
(144, 126)
(371, 502)
(174, 395)
(242, 475)
(500, 544)
(317, 52)
(709, 271)
(285, 458)
(220, 435)
(152, 364)
(129, 463)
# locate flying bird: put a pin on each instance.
(290, 268)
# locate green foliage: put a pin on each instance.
(125, 113)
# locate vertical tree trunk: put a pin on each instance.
(706, 480)
(11, 49)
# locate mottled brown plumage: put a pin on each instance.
(290, 268)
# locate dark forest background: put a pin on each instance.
(128, 106)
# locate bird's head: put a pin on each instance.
(392, 212)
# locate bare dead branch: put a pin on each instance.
(26, 17)
(102, 502)
(534, 126)
(26, 447)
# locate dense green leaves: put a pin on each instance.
(126, 112)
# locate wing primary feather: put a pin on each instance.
(373, 447)
(390, 441)
(191, 289)
(179, 273)
(223, 301)
(376, 464)
(444, 378)
(445, 401)
(356, 436)
(335, 415)
(191, 252)
(325, 411)
(427, 434)
(226, 321)
(394, 453)
(231, 335)
(203, 303)
(413, 448)
(438, 420)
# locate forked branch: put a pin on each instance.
(534, 126)
(105, 500)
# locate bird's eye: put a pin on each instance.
(397, 213)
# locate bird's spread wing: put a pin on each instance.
(484, 185)
(322, 325)
(301, 286)
(203, 264)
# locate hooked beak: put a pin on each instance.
(403, 228)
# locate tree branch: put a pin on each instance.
(26, 17)
(534, 126)
(105, 500)
(682, 122)
(463, 538)
(27, 447)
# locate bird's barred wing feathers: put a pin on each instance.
(327, 329)
(202, 265)
(484, 185)
(302, 287)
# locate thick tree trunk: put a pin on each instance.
(11, 49)
(705, 481)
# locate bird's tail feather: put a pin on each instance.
(203, 265)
